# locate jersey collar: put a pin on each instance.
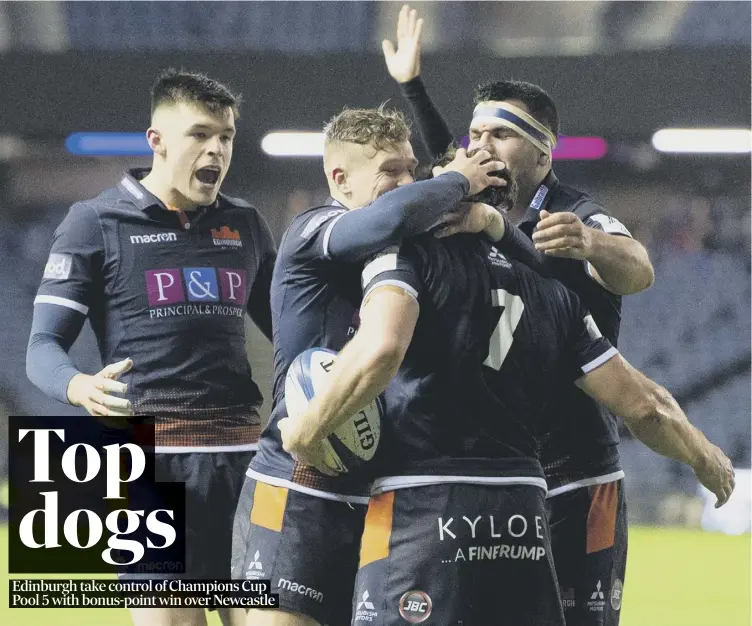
(541, 199)
(332, 202)
(130, 183)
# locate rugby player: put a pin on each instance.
(165, 267)
(295, 525)
(593, 254)
(456, 528)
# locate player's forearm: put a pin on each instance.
(496, 225)
(622, 263)
(434, 131)
(360, 373)
(662, 426)
(404, 212)
(518, 246)
(49, 367)
(53, 331)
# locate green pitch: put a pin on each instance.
(674, 578)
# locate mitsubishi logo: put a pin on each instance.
(255, 564)
(597, 594)
(364, 603)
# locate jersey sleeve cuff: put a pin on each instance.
(597, 362)
(60, 301)
(410, 291)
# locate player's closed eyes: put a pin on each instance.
(496, 134)
(502, 133)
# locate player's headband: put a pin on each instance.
(520, 122)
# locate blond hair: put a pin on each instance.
(381, 128)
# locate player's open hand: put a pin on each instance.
(471, 218)
(717, 474)
(477, 169)
(563, 235)
(404, 63)
(95, 393)
(305, 453)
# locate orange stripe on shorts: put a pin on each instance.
(601, 522)
(378, 529)
(269, 502)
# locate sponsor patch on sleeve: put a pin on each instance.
(318, 220)
(58, 266)
(608, 224)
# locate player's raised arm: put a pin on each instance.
(403, 64)
(656, 419)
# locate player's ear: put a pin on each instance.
(544, 159)
(154, 137)
(339, 177)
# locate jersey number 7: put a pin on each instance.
(503, 334)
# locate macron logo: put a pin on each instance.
(155, 238)
(294, 587)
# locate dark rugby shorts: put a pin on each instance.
(476, 555)
(589, 542)
(213, 481)
(306, 545)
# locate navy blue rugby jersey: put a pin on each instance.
(315, 303)
(170, 293)
(316, 297)
(471, 398)
(591, 454)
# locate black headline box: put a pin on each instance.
(73, 509)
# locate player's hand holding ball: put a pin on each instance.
(309, 453)
(331, 449)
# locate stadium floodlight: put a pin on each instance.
(703, 140)
(108, 144)
(293, 144)
(572, 148)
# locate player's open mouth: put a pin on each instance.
(208, 175)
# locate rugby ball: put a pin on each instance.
(356, 440)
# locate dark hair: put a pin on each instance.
(540, 104)
(174, 86)
(497, 197)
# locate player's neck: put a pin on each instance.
(516, 213)
(167, 194)
(524, 198)
(341, 198)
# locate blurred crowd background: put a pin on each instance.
(619, 71)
